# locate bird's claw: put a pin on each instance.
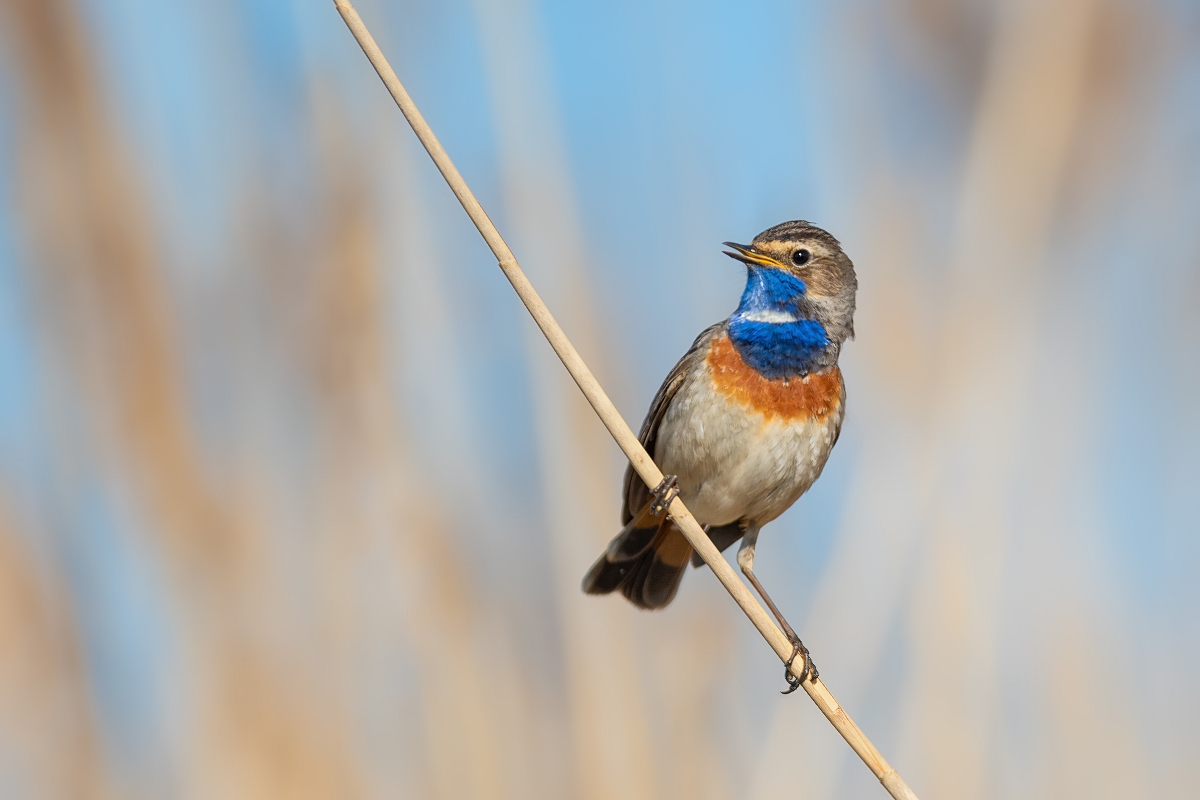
(664, 494)
(809, 672)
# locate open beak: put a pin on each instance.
(746, 253)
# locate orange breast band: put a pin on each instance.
(815, 395)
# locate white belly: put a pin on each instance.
(732, 462)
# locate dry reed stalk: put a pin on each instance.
(609, 709)
(608, 413)
(48, 730)
(1024, 135)
(258, 729)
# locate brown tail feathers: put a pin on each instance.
(646, 564)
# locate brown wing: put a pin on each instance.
(637, 494)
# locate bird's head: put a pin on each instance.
(798, 272)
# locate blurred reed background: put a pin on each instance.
(281, 455)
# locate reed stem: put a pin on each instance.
(608, 413)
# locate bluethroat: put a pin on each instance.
(744, 423)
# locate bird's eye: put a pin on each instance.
(801, 257)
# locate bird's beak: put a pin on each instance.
(746, 253)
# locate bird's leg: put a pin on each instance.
(745, 558)
(664, 494)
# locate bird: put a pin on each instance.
(744, 423)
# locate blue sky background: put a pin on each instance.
(294, 500)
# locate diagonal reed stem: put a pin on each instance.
(608, 413)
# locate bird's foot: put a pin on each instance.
(664, 494)
(810, 669)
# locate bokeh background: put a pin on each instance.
(295, 502)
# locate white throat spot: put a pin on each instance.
(771, 315)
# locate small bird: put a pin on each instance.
(744, 423)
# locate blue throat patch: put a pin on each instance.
(767, 340)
